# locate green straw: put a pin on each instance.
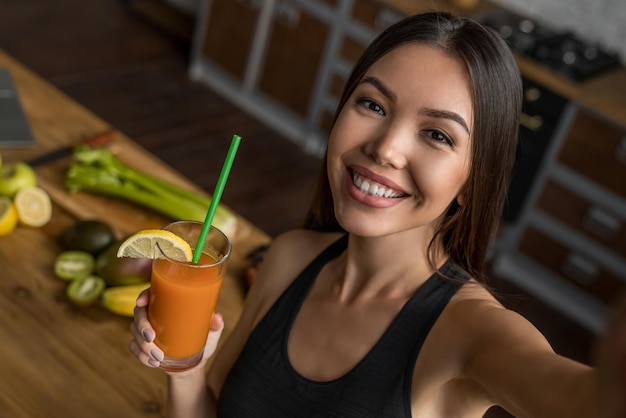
(217, 195)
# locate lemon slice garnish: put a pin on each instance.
(8, 216)
(143, 244)
(33, 205)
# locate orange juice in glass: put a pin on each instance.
(183, 296)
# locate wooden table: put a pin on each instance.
(57, 359)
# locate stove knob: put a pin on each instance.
(591, 53)
(569, 57)
(527, 26)
(568, 52)
(506, 31)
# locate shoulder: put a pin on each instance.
(479, 334)
(478, 341)
(486, 325)
(493, 340)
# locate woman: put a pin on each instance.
(377, 308)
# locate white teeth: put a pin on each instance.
(373, 189)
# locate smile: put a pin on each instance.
(372, 188)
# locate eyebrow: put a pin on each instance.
(445, 114)
(435, 113)
(380, 86)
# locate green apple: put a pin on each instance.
(15, 177)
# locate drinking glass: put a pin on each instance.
(183, 296)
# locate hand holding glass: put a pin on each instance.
(183, 296)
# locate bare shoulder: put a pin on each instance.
(488, 323)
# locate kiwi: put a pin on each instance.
(85, 291)
(91, 236)
(74, 265)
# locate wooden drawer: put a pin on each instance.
(597, 149)
(351, 50)
(294, 54)
(588, 218)
(229, 33)
(574, 267)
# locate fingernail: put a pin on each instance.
(156, 354)
(148, 335)
(153, 362)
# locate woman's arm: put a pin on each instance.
(519, 370)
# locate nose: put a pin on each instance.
(390, 147)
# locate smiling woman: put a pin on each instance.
(377, 307)
(396, 130)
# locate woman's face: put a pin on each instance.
(399, 152)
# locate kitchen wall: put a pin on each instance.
(601, 21)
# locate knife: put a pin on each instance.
(67, 150)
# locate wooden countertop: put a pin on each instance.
(55, 357)
(605, 94)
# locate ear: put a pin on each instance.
(460, 199)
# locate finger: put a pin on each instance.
(217, 321)
(143, 298)
(144, 358)
(140, 317)
(215, 333)
(144, 349)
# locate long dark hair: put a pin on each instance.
(496, 90)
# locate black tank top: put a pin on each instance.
(262, 383)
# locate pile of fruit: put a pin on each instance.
(21, 200)
(90, 265)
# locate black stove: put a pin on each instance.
(563, 52)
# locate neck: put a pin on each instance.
(389, 266)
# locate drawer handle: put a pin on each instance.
(534, 123)
(579, 268)
(601, 223)
(620, 151)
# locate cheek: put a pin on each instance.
(442, 179)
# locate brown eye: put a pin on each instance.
(372, 106)
(440, 137)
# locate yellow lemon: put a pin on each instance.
(8, 216)
(143, 244)
(33, 205)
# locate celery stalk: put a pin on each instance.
(99, 171)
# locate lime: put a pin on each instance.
(8, 216)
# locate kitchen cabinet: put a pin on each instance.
(568, 246)
(285, 61)
(229, 34)
(293, 56)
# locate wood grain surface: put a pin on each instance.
(57, 359)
